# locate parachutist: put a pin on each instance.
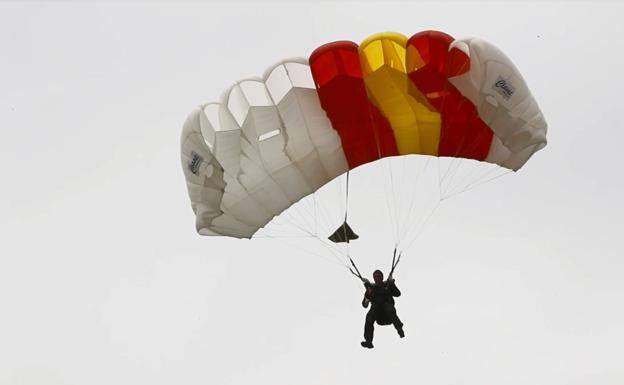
(380, 295)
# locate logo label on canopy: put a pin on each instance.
(504, 88)
(195, 163)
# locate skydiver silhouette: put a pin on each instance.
(380, 296)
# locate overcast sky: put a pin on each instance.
(103, 279)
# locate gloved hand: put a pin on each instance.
(366, 282)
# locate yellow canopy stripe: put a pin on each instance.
(415, 124)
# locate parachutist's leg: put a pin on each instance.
(369, 327)
(391, 313)
(398, 325)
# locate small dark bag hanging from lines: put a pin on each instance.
(344, 233)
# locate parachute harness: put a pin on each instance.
(395, 261)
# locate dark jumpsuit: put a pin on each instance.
(382, 308)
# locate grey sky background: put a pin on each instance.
(103, 279)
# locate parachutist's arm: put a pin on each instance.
(369, 293)
(365, 301)
(394, 290)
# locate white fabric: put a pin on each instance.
(266, 146)
(206, 180)
(503, 101)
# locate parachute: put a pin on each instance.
(274, 140)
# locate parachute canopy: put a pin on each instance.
(273, 140)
